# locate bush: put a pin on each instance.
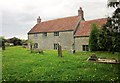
(37, 51)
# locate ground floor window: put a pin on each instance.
(85, 48)
(35, 45)
(56, 46)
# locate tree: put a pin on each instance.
(24, 41)
(115, 26)
(105, 39)
(15, 41)
(31, 45)
(93, 39)
(116, 15)
(2, 42)
(108, 39)
(113, 3)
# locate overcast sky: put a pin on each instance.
(17, 17)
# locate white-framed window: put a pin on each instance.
(35, 35)
(56, 46)
(85, 47)
(45, 34)
(35, 45)
(56, 33)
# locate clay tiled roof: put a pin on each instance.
(85, 26)
(61, 24)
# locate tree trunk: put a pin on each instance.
(3, 45)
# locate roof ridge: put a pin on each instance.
(60, 18)
(60, 24)
(94, 19)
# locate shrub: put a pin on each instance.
(37, 51)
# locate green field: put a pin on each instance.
(18, 64)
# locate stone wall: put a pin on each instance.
(65, 39)
(80, 41)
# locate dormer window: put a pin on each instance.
(45, 34)
(56, 33)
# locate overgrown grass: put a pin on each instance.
(18, 64)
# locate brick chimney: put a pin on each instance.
(81, 13)
(38, 20)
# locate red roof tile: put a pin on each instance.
(85, 26)
(61, 24)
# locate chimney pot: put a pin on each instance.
(81, 13)
(38, 20)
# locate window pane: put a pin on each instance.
(36, 45)
(85, 48)
(45, 34)
(35, 35)
(56, 46)
(56, 33)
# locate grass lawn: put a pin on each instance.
(18, 64)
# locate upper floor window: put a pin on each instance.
(56, 33)
(35, 35)
(45, 34)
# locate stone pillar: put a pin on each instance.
(59, 51)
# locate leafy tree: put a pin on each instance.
(15, 41)
(105, 39)
(2, 43)
(115, 19)
(113, 3)
(24, 41)
(108, 39)
(115, 26)
(31, 45)
(93, 39)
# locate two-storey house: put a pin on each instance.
(72, 33)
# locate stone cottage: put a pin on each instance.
(72, 33)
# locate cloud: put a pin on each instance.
(19, 16)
